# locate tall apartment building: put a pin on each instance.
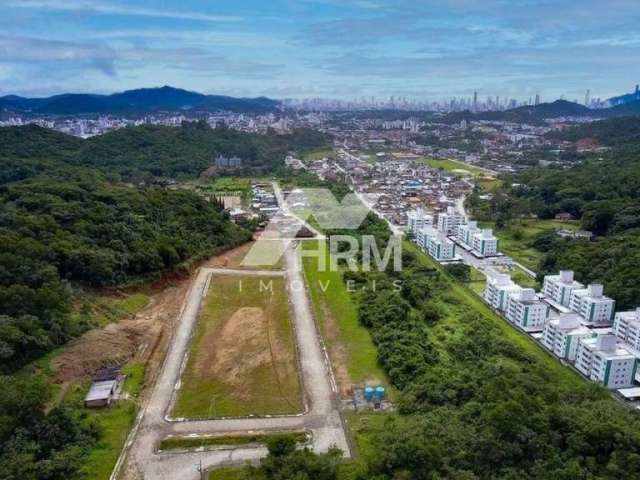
(441, 248)
(423, 234)
(593, 306)
(602, 360)
(449, 221)
(561, 335)
(527, 311)
(466, 232)
(559, 287)
(626, 326)
(497, 291)
(485, 243)
(417, 219)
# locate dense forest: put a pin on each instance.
(148, 153)
(73, 217)
(58, 233)
(476, 400)
(602, 192)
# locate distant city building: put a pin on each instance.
(527, 311)
(595, 308)
(603, 361)
(228, 162)
(497, 291)
(559, 287)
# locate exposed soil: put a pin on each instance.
(143, 338)
(246, 328)
(337, 352)
(268, 253)
(230, 259)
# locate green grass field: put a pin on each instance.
(231, 184)
(353, 355)
(243, 356)
(454, 165)
(477, 281)
(318, 154)
(108, 309)
(516, 238)
(114, 422)
(190, 443)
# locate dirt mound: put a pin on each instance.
(115, 344)
(246, 327)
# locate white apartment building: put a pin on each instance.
(466, 232)
(485, 243)
(417, 219)
(449, 221)
(626, 326)
(559, 287)
(527, 311)
(561, 335)
(603, 361)
(593, 306)
(423, 234)
(441, 248)
(499, 287)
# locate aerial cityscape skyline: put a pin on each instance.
(322, 48)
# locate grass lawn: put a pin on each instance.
(114, 422)
(108, 309)
(353, 354)
(477, 281)
(516, 238)
(232, 473)
(231, 184)
(489, 183)
(243, 356)
(190, 443)
(523, 279)
(318, 154)
(454, 165)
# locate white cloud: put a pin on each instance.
(116, 9)
(46, 52)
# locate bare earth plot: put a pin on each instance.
(243, 356)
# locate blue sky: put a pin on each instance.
(329, 48)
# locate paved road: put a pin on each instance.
(322, 417)
(287, 211)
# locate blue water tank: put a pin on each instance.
(379, 394)
(368, 393)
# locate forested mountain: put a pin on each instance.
(74, 228)
(68, 224)
(66, 219)
(623, 132)
(149, 152)
(603, 192)
(136, 102)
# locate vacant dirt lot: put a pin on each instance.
(243, 358)
(233, 258)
